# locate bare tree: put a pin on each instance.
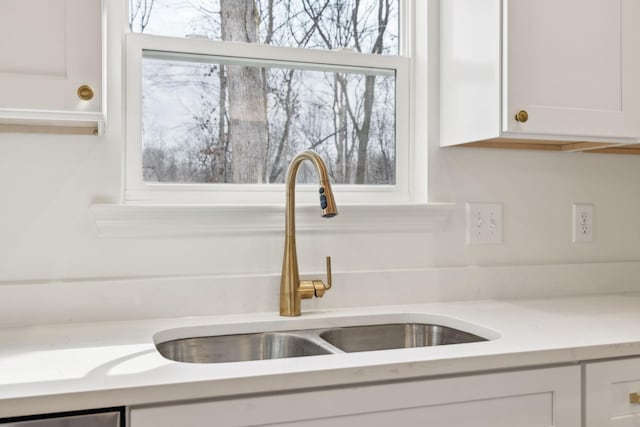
(223, 135)
(245, 85)
(363, 129)
(140, 11)
(288, 101)
(236, 123)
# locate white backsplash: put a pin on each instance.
(23, 304)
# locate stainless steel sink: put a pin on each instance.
(311, 342)
(402, 335)
(238, 348)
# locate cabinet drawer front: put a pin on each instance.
(533, 410)
(537, 398)
(608, 386)
(107, 419)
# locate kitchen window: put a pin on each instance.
(221, 94)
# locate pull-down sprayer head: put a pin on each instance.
(327, 202)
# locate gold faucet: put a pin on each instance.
(291, 288)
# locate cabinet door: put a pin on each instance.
(573, 65)
(48, 49)
(537, 398)
(608, 386)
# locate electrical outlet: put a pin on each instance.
(582, 222)
(484, 223)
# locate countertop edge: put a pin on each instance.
(235, 388)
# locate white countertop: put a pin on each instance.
(80, 366)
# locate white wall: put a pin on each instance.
(47, 231)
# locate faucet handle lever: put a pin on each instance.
(318, 285)
(328, 286)
(310, 288)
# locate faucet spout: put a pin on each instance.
(291, 288)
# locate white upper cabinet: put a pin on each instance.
(49, 49)
(573, 66)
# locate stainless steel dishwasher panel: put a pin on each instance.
(106, 419)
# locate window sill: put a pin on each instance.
(163, 221)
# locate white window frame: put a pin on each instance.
(410, 186)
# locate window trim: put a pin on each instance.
(409, 187)
(168, 219)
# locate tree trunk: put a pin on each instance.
(222, 121)
(341, 134)
(277, 168)
(370, 85)
(363, 131)
(245, 86)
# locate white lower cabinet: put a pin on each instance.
(533, 398)
(608, 388)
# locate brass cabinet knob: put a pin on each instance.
(634, 398)
(86, 93)
(522, 116)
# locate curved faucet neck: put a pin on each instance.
(290, 282)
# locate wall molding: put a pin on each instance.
(143, 220)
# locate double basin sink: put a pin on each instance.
(311, 342)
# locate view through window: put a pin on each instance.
(216, 119)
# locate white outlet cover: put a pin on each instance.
(484, 223)
(582, 222)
